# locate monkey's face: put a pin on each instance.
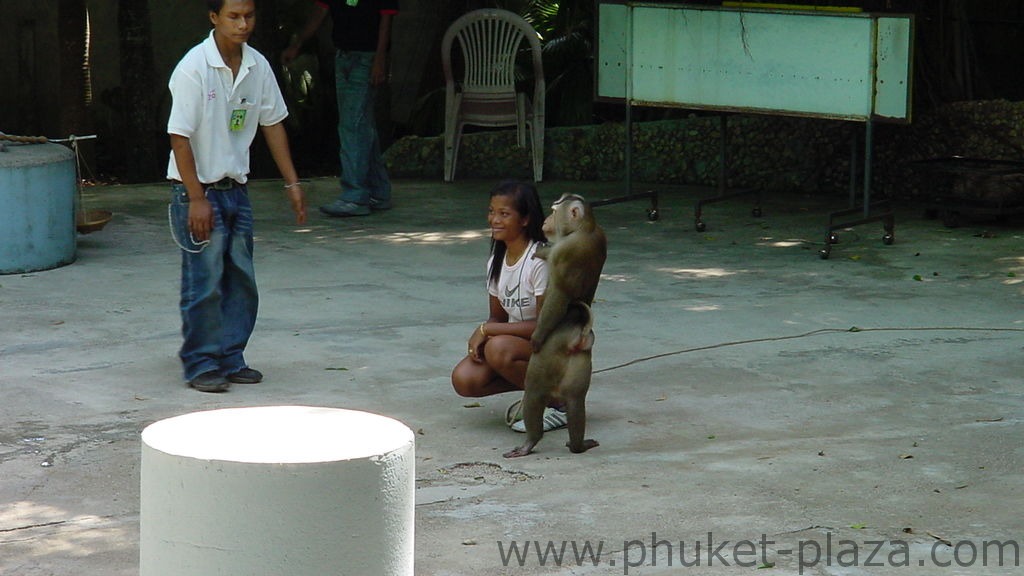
(506, 223)
(565, 218)
(549, 225)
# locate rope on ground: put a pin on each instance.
(43, 139)
(24, 139)
(807, 334)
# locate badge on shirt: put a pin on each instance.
(237, 121)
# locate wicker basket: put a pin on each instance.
(92, 220)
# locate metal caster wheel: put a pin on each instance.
(652, 215)
(756, 212)
(832, 239)
(823, 253)
(888, 239)
(700, 226)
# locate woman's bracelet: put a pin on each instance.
(293, 184)
(483, 332)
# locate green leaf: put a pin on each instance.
(917, 277)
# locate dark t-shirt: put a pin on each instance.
(356, 27)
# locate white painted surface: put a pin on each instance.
(277, 490)
(853, 66)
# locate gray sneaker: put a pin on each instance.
(210, 381)
(245, 376)
(379, 205)
(341, 209)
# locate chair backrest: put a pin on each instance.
(489, 40)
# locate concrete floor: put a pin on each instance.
(746, 391)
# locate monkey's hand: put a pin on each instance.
(536, 344)
(542, 251)
(519, 451)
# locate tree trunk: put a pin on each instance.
(73, 73)
(138, 80)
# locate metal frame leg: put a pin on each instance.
(869, 211)
(723, 173)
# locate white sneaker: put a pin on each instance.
(553, 420)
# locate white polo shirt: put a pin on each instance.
(219, 114)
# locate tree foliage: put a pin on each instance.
(566, 29)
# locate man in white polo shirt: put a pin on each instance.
(222, 90)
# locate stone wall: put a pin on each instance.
(774, 152)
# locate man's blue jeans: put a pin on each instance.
(363, 173)
(218, 284)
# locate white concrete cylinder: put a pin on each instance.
(276, 490)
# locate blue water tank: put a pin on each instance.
(37, 207)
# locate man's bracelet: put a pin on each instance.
(293, 184)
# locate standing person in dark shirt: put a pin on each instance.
(362, 35)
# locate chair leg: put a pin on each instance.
(455, 148)
(537, 147)
(447, 160)
(451, 142)
(521, 120)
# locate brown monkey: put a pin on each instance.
(575, 258)
(560, 371)
(560, 367)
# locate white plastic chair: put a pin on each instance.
(486, 94)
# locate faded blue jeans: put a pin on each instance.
(363, 173)
(218, 284)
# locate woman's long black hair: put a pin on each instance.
(527, 203)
